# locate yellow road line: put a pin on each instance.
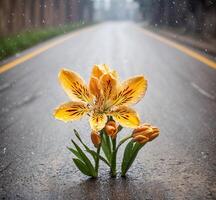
(201, 58)
(28, 56)
(38, 51)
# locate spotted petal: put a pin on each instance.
(74, 86)
(97, 121)
(94, 86)
(71, 111)
(108, 85)
(126, 116)
(130, 91)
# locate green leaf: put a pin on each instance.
(106, 146)
(101, 157)
(134, 154)
(79, 138)
(77, 135)
(137, 147)
(76, 153)
(131, 155)
(126, 157)
(92, 152)
(120, 128)
(108, 142)
(82, 167)
(86, 147)
(94, 155)
(85, 158)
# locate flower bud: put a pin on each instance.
(141, 139)
(96, 139)
(111, 129)
(155, 133)
(145, 133)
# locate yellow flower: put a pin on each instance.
(103, 97)
(95, 138)
(145, 133)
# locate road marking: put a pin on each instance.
(201, 58)
(203, 92)
(38, 51)
(28, 56)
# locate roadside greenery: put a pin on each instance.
(13, 44)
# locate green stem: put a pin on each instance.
(123, 141)
(113, 159)
(114, 154)
(98, 154)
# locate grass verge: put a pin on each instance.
(16, 43)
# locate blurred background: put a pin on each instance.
(27, 22)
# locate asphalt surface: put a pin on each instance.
(181, 100)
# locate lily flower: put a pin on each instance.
(104, 96)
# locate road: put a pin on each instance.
(181, 100)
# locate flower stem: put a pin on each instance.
(98, 154)
(122, 141)
(113, 159)
(97, 160)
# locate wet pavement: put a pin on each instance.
(181, 100)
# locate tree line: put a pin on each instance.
(18, 15)
(198, 16)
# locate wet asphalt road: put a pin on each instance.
(181, 100)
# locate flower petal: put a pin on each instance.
(141, 139)
(131, 91)
(97, 121)
(126, 116)
(99, 70)
(94, 86)
(71, 111)
(108, 85)
(74, 86)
